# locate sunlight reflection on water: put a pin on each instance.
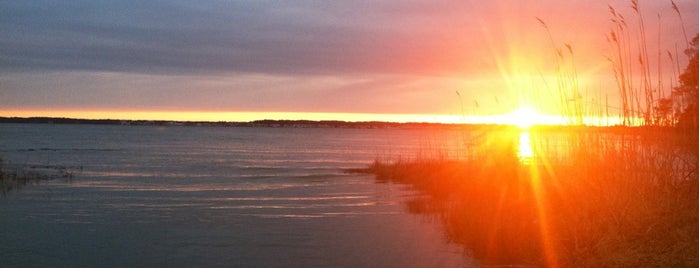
(525, 153)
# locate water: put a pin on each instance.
(213, 196)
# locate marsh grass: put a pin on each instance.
(618, 197)
(16, 178)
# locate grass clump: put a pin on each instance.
(615, 199)
(10, 180)
(19, 178)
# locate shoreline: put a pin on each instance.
(341, 124)
(616, 203)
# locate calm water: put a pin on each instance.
(208, 196)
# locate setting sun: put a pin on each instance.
(505, 133)
(523, 117)
(526, 116)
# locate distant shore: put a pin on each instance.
(256, 123)
(316, 124)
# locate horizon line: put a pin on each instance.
(247, 117)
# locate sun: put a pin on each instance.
(523, 117)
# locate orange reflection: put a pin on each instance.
(525, 153)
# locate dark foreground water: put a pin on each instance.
(206, 196)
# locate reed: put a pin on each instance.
(17, 178)
(623, 198)
(11, 181)
(646, 99)
(567, 83)
(589, 197)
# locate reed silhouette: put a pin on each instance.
(579, 196)
(611, 197)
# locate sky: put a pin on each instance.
(410, 60)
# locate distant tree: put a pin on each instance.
(663, 113)
(689, 86)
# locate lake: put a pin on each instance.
(216, 196)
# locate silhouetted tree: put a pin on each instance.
(663, 113)
(689, 86)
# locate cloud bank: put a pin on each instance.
(300, 55)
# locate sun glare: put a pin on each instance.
(523, 117)
(525, 152)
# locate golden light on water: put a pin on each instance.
(525, 153)
(535, 164)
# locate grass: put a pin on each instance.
(623, 196)
(19, 178)
(628, 197)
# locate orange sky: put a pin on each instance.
(445, 61)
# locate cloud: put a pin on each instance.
(281, 37)
(231, 92)
(247, 36)
(296, 55)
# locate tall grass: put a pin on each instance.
(645, 99)
(567, 84)
(612, 198)
(617, 196)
